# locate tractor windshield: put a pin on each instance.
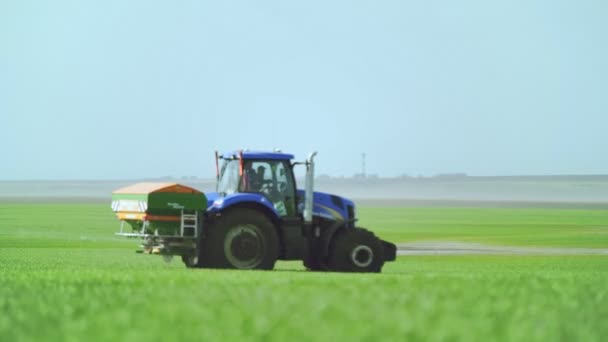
(270, 178)
(229, 178)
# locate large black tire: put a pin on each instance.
(190, 261)
(355, 250)
(240, 238)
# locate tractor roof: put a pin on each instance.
(259, 155)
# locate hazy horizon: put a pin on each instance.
(144, 89)
(484, 191)
(355, 177)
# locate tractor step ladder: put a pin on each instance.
(189, 224)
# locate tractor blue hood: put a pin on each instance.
(329, 206)
(325, 205)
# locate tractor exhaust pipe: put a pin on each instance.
(309, 190)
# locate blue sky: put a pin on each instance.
(129, 89)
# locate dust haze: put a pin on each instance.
(565, 191)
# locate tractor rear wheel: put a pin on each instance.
(356, 250)
(240, 238)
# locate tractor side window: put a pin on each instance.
(257, 177)
(274, 180)
(286, 187)
(229, 179)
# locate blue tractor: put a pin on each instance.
(258, 216)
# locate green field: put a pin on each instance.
(504, 226)
(93, 224)
(64, 277)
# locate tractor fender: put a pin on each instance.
(251, 200)
(224, 205)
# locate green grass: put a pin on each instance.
(55, 225)
(64, 277)
(504, 226)
(82, 225)
(108, 294)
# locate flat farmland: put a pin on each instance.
(82, 224)
(65, 277)
(502, 226)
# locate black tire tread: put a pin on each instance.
(211, 251)
(343, 243)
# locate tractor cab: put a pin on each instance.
(266, 174)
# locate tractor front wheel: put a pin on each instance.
(240, 238)
(356, 250)
(313, 263)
